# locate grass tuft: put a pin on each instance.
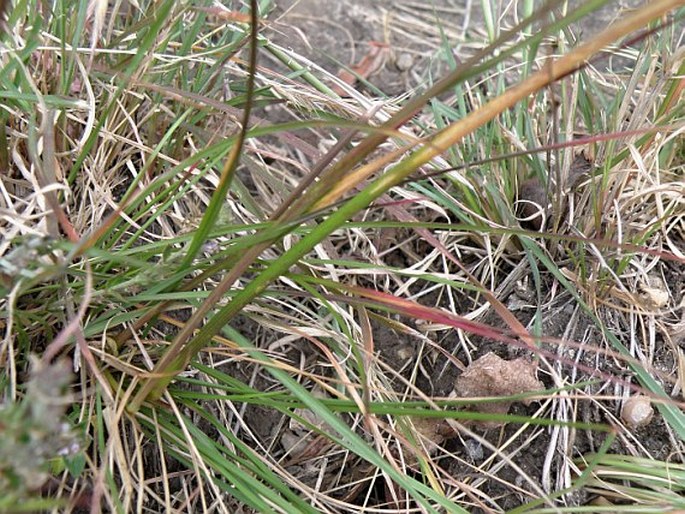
(252, 284)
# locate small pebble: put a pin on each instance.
(474, 450)
(637, 411)
(404, 61)
(405, 352)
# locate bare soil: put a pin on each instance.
(336, 34)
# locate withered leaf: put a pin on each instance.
(369, 65)
(432, 431)
(491, 376)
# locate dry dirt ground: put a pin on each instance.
(333, 33)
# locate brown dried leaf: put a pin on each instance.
(432, 431)
(427, 434)
(654, 293)
(369, 65)
(491, 376)
(227, 15)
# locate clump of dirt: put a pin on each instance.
(491, 375)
